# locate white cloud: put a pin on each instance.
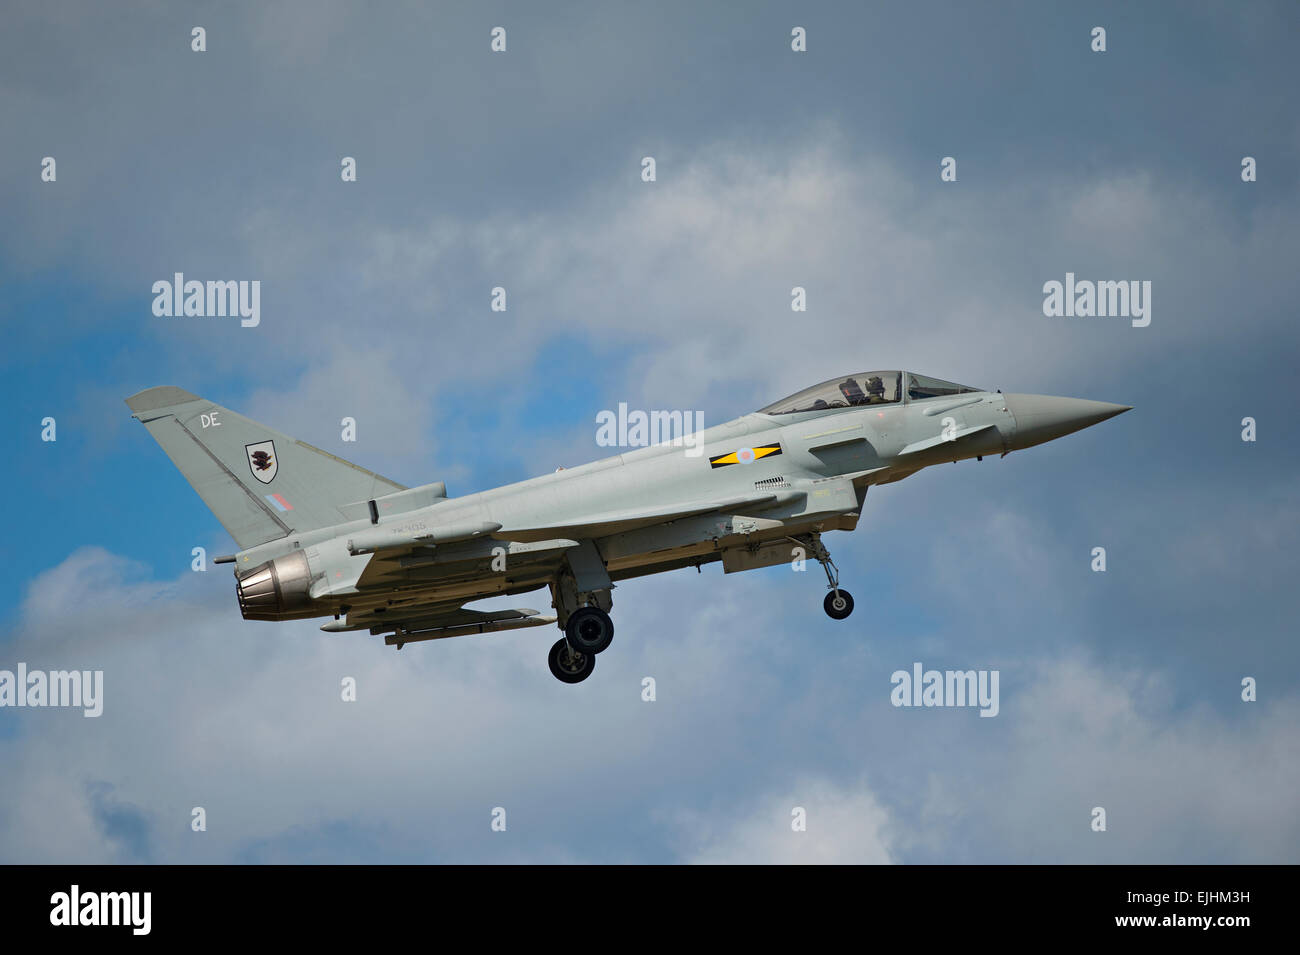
(245, 719)
(1179, 784)
(846, 825)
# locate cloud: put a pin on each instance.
(246, 720)
(1179, 785)
(845, 826)
(120, 823)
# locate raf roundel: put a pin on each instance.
(745, 455)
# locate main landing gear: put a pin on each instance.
(838, 603)
(568, 665)
(588, 629)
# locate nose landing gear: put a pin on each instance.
(838, 603)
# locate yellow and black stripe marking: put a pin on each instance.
(745, 455)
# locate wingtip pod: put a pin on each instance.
(162, 396)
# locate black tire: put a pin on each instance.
(589, 630)
(569, 666)
(838, 609)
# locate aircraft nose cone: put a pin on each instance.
(1042, 418)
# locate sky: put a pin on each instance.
(522, 169)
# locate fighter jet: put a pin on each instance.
(321, 537)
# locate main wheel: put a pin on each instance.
(568, 665)
(589, 630)
(838, 604)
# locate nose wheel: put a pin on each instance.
(838, 604)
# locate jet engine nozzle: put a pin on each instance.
(276, 590)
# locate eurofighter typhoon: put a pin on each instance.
(321, 537)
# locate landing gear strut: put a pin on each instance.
(838, 603)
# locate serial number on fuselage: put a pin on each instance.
(408, 530)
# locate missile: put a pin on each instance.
(400, 640)
(487, 623)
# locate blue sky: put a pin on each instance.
(775, 169)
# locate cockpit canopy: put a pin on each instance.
(868, 388)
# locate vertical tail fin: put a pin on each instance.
(260, 484)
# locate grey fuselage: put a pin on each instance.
(646, 510)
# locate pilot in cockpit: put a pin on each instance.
(852, 392)
(875, 391)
